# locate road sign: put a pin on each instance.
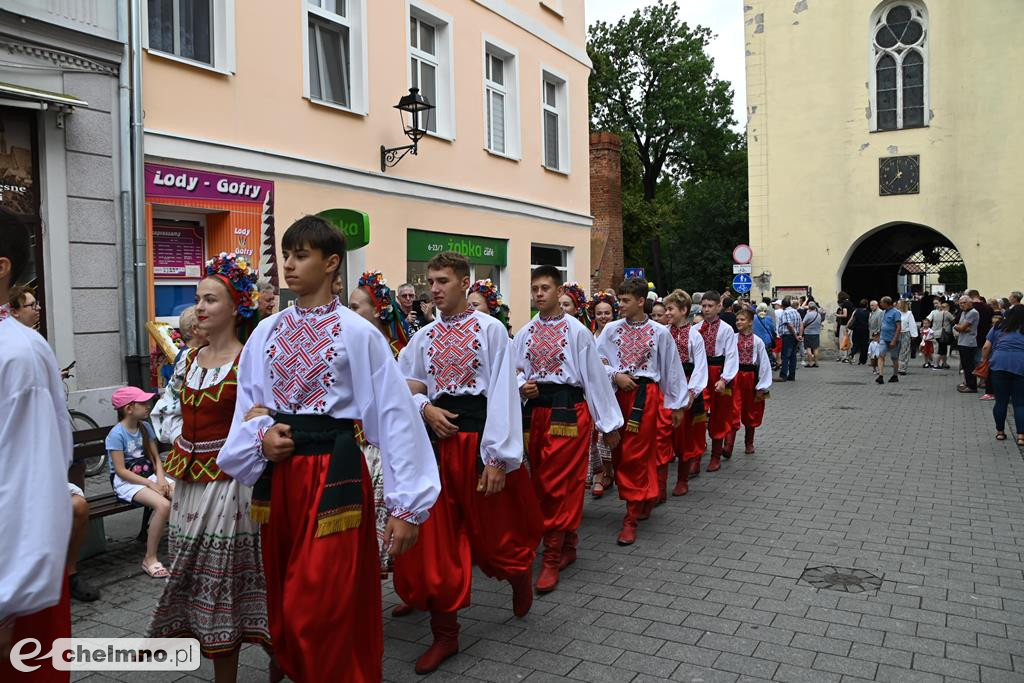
(742, 268)
(742, 283)
(635, 273)
(742, 253)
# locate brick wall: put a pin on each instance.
(606, 248)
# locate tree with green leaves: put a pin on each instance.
(653, 83)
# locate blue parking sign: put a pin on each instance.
(742, 283)
(635, 273)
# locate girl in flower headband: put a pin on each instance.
(374, 301)
(485, 297)
(240, 280)
(574, 302)
(604, 308)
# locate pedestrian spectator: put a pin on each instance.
(659, 313)
(268, 298)
(414, 316)
(24, 306)
(985, 313)
(859, 332)
(764, 328)
(967, 344)
(941, 321)
(927, 343)
(1004, 351)
(843, 311)
(875, 330)
(1014, 299)
(789, 329)
(810, 330)
(908, 332)
(136, 473)
(889, 340)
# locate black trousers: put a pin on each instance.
(968, 361)
(860, 346)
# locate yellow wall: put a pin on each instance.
(814, 163)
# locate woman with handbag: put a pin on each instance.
(1002, 362)
(942, 323)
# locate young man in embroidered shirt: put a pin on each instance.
(689, 439)
(720, 347)
(35, 453)
(753, 380)
(318, 367)
(641, 359)
(460, 370)
(566, 390)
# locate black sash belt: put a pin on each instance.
(688, 369)
(636, 415)
(472, 417)
(341, 503)
(562, 399)
(749, 367)
(716, 360)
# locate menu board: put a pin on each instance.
(178, 251)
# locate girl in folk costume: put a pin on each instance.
(374, 301)
(320, 367)
(642, 361)
(604, 308)
(484, 296)
(573, 301)
(689, 439)
(720, 347)
(460, 370)
(216, 592)
(567, 395)
(753, 380)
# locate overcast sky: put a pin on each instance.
(723, 17)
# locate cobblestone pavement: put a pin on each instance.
(903, 480)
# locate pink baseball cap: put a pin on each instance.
(126, 395)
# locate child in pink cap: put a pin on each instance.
(136, 473)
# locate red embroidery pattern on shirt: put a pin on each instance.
(635, 343)
(545, 348)
(452, 353)
(5, 311)
(681, 336)
(301, 355)
(710, 333)
(745, 347)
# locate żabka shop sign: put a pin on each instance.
(423, 246)
(188, 183)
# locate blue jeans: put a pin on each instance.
(1007, 385)
(789, 346)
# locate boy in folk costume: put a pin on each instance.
(319, 367)
(753, 380)
(460, 370)
(720, 347)
(35, 452)
(566, 391)
(690, 437)
(641, 359)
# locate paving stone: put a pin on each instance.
(750, 666)
(946, 667)
(845, 665)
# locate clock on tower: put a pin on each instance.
(899, 175)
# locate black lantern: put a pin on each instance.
(414, 110)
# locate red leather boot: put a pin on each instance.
(662, 484)
(628, 534)
(695, 467)
(682, 488)
(728, 443)
(572, 540)
(551, 562)
(522, 593)
(748, 441)
(445, 627)
(716, 456)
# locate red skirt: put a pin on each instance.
(558, 468)
(720, 406)
(45, 626)
(636, 457)
(498, 533)
(747, 409)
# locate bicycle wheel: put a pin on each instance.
(81, 421)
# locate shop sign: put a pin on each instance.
(423, 246)
(188, 183)
(178, 251)
(354, 225)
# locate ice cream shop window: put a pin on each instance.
(179, 252)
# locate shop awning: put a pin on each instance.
(32, 98)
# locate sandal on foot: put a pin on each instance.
(1020, 440)
(1000, 436)
(156, 570)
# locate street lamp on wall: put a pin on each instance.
(414, 110)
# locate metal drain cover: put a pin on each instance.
(843, 579)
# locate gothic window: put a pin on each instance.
(899, 42)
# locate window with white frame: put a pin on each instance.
(545, 255)
(335, 54)
(430, 65)
(555, 121)
(500, 104)
(200, 31)
(899, 46)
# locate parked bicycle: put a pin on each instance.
(80, 422)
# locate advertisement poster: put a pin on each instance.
(178, 251)
(17, 187)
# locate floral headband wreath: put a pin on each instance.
(239, 278)
(385, 305)
(604, 298)
(574, 291)
(489, 291)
